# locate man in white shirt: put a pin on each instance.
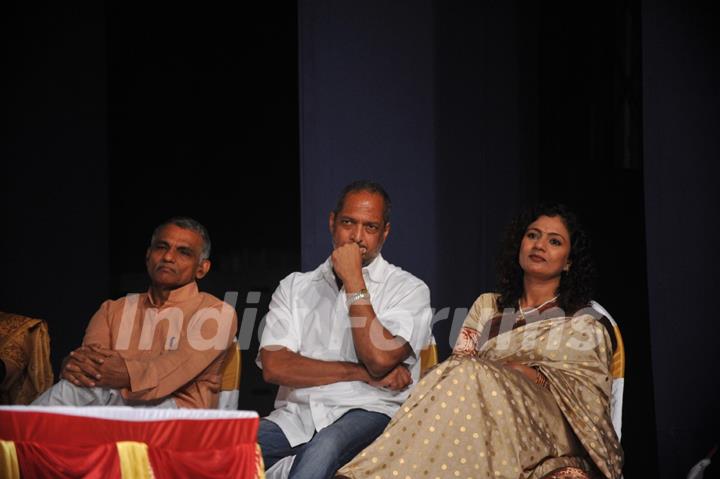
(343, 342)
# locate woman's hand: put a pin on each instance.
(467, 341)
(531, 373)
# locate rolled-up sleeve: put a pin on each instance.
(410, 315)
(280, 324)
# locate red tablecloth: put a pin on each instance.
(83, 442)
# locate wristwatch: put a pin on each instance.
(355, 297)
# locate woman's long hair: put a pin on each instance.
(576, 286)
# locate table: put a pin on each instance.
(125, 442)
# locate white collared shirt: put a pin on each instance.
(309, 316)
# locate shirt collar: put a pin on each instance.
(375, 271)
(179, 295)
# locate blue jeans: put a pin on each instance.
(328, 450)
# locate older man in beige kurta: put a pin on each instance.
(174, 361)
(163, 348)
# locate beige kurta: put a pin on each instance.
(173, 350)
(474, 417)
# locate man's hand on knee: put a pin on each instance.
(113, 372)
(82, 367)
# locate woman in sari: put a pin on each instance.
(526, 391)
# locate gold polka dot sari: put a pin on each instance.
(474, 417)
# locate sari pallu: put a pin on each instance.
(472, 416)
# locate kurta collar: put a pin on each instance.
(178, 295)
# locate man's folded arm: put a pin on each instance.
(160, 376)
(383, 343)
(376, 347)
(287, 368)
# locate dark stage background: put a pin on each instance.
(252, 117)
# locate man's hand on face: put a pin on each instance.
(82, 367)
(347, 263)
(396, 380)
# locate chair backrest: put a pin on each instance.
(230, 383)
(428, 356)
(618, 362)
(617, 370)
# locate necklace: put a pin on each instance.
(522, 314)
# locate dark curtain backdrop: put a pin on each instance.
(590, 157)
(118, 115)
(432, 112)
(54, 165)
(681, 116)
(487, 145)
(366, 110)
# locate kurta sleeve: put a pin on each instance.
(210, 332)
(98, 331)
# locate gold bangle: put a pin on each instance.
(540, 379)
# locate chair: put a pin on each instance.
(617, 370)
(428, 356)
(230, 388)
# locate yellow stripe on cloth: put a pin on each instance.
(134, 460)
(8, 460)
(259, 462)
